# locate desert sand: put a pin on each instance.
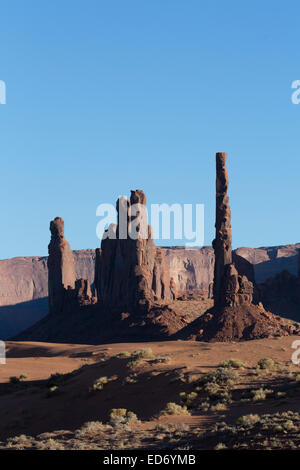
(30, 408)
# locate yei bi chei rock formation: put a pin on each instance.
(132, 286)
(131, 272)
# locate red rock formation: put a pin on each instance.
(234, 316)
(61, 266)
(131, 272)
(65, 292)
(222, 244)
(24, 280)
(230, 288)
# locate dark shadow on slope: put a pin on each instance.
(270, 268)
(18, 317)
(93, 325)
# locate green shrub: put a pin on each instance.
(131, 379)
(163, 360)
(99, 383)
(266, 363)
(133, 363)
(50, 444)
(222, 376)
(214, 391)
(233, 363)
(143, 354)
(21, 440)
(260, 394)
(91, 427)
(204, 405)
(218, 407)
(122, 354)
(174, 409)
(188, 398)
(121, 416)
(248, 420)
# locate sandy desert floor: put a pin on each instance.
(177, 395)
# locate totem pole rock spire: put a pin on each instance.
(234, 316)
(61, 266)
(230, 287)
(223, 242)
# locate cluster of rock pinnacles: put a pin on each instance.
(131, 275)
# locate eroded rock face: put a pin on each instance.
(131, 272)
(238, 289)
(61, 266)
(192, 270)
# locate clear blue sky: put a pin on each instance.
(108, 96)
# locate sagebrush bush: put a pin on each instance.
(99, 383)
(22, 439)
(50, 444)
(121, 416)
(133, 363)
(131, 379)
(232, 363)
(266, 363)
(188, 398)
(91, 427)
(145, 353)
(122, 354)
(260, 394)
(174, 409)
(248, 420)
(218, 407)
(222, 376)
(163, 359)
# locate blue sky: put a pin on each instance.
(104, 97)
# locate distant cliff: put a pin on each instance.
(24, 281)
(24, 289)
